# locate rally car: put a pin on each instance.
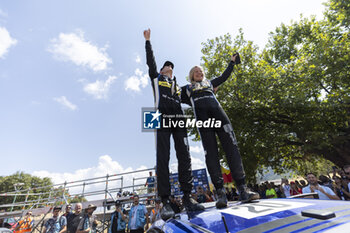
(268, 215)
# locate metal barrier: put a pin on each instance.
(42, 202)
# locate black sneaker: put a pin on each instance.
(190, 204)
(166, 212)
(222, 199)
(246, 195)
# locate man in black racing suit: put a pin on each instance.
(167, 101)
(200, 95)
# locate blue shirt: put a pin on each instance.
(55, 225)
(87, 222)
(321, 195)
(150, 182)
(132, 221)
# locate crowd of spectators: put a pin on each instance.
(71, 222)
(141, 214)
(328, 187)
(333, 186)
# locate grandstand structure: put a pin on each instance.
(100, 191)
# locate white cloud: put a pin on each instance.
(132, 84)
(137, 81)
(65, 102)
(196, 164)
(196, 149)
(138, 72)
(138, 59)
(100, 89)
(6, 41)
(75, 48)
(106, 165)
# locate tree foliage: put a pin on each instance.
(28, 184)
(25, 182)
(289, 102)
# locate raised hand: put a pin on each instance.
(147, 34)
(312, 188)
(236, 58)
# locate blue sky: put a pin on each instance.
(73, 77)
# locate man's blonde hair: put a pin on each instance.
(190, 77)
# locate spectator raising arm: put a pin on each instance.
(329, 193)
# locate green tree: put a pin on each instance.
(76, 199)
(32, 185)
(24, 182)
(288, 103)
(338, 12)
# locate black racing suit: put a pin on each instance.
(201, 97)
(167, 101)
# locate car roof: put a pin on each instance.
(268, 215)
(5, 230)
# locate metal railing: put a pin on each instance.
(101, 191)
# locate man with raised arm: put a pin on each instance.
(167, 101)
(324, 193)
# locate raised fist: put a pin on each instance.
(147, 34)
(236, 58)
